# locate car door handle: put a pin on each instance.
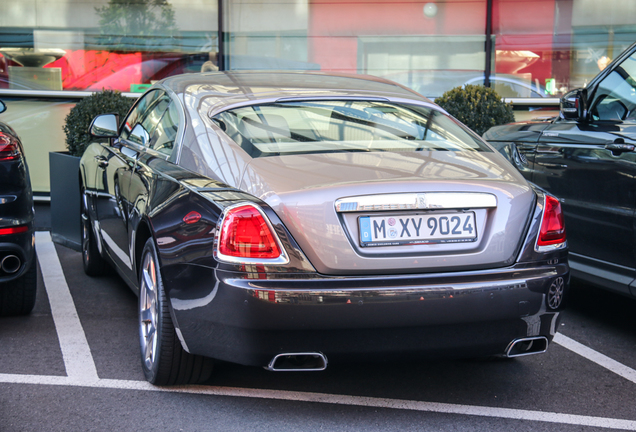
(617, 148)
(553, 165)
(102, 162)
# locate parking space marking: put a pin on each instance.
(81, 370)
(596, 357)
(76, 352)
(361, 401)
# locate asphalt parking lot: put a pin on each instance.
(73, 364)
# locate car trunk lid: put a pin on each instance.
(420, 211)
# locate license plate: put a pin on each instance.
(417, 229)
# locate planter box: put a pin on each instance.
(65, 200)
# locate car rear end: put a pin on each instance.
(405, 237)
(17, 252)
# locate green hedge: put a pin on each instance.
(476, 106)
(81, 115)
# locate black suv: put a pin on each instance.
(18, 273)
(587, 158)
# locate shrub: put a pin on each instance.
(81, 115)
(476, 106)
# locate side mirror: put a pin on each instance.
(104, 126)
(3, 107)
(574, 105)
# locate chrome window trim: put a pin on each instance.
(416, 201)
(281, 260)
(72, 94)
(62, 94)
(224, 106)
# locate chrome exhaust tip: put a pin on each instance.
(10, 264)
(527, 346)
(298, 362)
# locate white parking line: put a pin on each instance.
(596, 357)
(362, 401)
(78, 360)
(81, 370)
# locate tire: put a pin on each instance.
(17, 297)
(163, 359)
(94, 264)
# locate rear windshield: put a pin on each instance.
(343, 126)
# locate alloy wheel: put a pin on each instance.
(85, 241)
(148, 311)
(85, 227)
(555, 294)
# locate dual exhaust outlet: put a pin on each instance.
(298, 362)
(317, 361)
(527, 346)
(10, 264)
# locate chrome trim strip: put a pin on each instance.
(63, 94)
(384, 294)
(533, 101)
(416, 201)
(281, 260)
(318, 98)
(82, 94)
(227, 105)
(550, 248)
(116, 249)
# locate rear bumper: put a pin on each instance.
(249, 321)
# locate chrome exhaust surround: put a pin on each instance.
(527, 346)
(298, 362)
(10, 264)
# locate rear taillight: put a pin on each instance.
(246, 234)
(14, 230)
(9, 148)
(552, 226)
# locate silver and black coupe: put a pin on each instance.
(283, 219)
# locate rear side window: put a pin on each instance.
(166, 131)
(145, 128)
(139, 112)
(343, 126)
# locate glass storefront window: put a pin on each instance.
(267, 35)
(552, 46)
(120, 45)
(540, 48)
(429, 46)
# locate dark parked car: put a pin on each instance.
(586, 158)
(277, 219)
(18, 274)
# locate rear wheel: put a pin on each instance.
(163, 359)
(17, 297)
(94, 264)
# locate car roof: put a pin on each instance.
(238, 87)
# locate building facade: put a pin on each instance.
(52, 49)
